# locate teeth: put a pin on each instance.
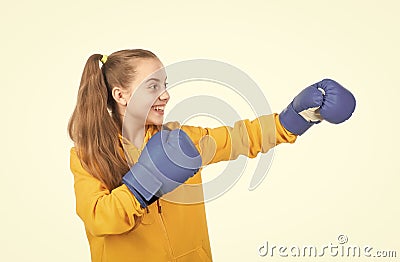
(158, 108)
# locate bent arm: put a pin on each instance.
(246, 138)
(103, 212)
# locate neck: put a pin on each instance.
(133, 132)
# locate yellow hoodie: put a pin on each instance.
(119, 230)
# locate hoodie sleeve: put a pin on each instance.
(246, 138)
(103, 212)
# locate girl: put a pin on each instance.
(124, 215)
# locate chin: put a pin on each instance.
(156, 122)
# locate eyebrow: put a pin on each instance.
(155, 79)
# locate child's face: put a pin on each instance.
(148, 93)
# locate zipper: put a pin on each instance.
(159, 207)
(171, 253)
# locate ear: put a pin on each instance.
(118, 96)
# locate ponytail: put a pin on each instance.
(94, 131)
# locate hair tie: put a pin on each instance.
(104, 59)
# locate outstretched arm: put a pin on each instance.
(326, 99)
(246, 138)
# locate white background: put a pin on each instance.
(334, 180)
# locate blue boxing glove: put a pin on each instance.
(167, 161)
(326, 99)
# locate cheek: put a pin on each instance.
(137, 108)
(140, 103)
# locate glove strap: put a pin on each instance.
(294, 122)
(143, 185)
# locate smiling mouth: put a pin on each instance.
(158, 109)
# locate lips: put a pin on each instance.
(158, 108)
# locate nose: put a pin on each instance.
(164, 96)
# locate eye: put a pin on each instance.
(165, 84)
(153, 86)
